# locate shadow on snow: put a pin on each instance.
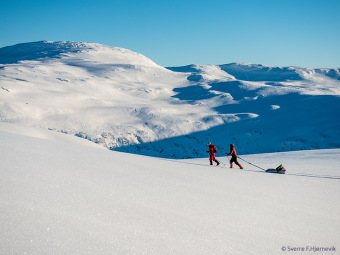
(288, 122)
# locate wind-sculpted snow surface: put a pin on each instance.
(124, 101)
(65, 199)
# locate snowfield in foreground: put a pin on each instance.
(64, 198)
(124, 101)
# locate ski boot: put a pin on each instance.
(240, 166)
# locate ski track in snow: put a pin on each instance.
(64, 198)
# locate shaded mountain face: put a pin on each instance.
(124, 101)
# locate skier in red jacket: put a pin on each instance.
(212, 150)
(233, 156)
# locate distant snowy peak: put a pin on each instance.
(40, 50)
(258, 72)
(31, 47)
(46, 50)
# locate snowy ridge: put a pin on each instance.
(46, 49)
(124, 101)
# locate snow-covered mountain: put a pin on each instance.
(79, 198)
(124, 101)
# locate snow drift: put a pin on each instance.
(124, 101)
(62, 198)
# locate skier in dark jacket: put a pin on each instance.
(212, 150)
(233, 156)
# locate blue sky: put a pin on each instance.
(182, 32)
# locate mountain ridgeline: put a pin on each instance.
(124, 101)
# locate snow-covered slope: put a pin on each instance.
(108, 95)
(122, 100)
(46, 134)
(61, 198)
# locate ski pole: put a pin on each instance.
(227, 157)
(251, 163)
(218, 160)
(222, 163)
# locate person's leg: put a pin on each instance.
(236, 162)
(211, 158)
(214, 159)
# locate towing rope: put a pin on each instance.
(241, 159)
(251, 163)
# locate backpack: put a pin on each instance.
(215, 150)
(280, 168)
